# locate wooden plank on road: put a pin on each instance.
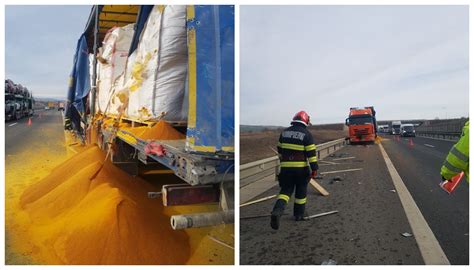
(318, 187)
(259, 200)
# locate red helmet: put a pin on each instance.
(301, 117)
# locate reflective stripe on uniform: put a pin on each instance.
(310, 147)
(300, 201)
(293, 164)
(459, 155)
(291, 146)
(313, 159)
(450, 167)
(284, 197)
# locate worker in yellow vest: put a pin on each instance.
(457, 160)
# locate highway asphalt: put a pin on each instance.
(46, 126)
(30, 152)
(418, 164)
(367, 230)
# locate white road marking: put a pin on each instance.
(348, 170)
(429, 145)
(336, 159)
(430, 249)
(11, 125)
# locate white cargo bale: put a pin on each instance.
(156, 77)
(111, 64)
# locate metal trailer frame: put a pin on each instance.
(195, 168)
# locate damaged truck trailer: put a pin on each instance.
(153, 87)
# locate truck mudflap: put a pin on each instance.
(193, 168)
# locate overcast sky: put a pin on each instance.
(407, 61)
(40, 43)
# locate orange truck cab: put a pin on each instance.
(362, 125)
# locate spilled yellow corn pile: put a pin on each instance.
(57, 215)
(108, 220)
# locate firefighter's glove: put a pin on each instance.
(314, 174)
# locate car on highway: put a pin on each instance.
(407, 130)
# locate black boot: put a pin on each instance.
(275, 221)
(277, 213)
(299, 212)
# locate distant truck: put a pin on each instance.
(60, 106)
(52, 104)
(396, 125)
(383, 129)
(19, 101)
(407, 130)
(362, 125)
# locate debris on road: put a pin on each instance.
(329, 262)
(336, 179)
(328, 162)
(407, 234)
(321, 215)
(318, 187)
(258, 200)
(345, 158)
(348, 170)
(393, 190)
(339, 155)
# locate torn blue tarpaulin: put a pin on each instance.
(143, 14)
(79, 83)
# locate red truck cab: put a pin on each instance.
(362, 125)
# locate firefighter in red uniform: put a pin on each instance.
(298, 164)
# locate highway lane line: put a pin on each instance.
(336, 159)
(429, 145)
(348, 170)
(11, 125)
(430, 249)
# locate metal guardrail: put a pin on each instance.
(444, 135)
(260, 169)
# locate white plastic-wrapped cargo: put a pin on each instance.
(156, 72)
(111, 64)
